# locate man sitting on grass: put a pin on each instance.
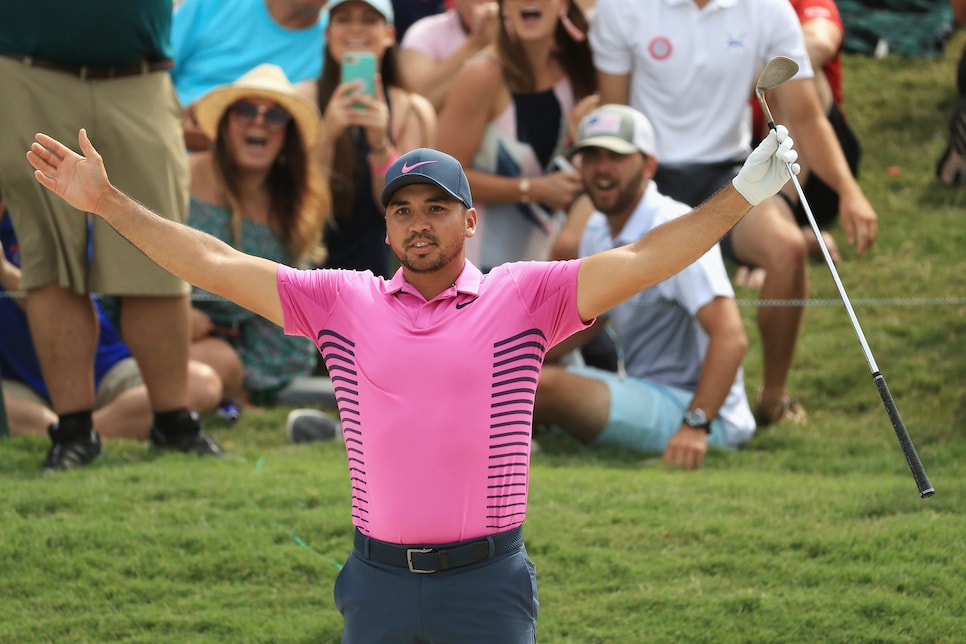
(683, 339)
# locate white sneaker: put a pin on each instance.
(309, 425)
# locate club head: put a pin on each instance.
(778, 70)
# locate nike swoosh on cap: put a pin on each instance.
(406, 168)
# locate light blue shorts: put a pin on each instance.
(644, 415)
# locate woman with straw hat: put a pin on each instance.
(258, 190)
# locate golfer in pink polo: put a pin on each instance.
(435, 371)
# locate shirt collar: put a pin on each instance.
(468, 283)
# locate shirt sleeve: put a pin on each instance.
(815, 9)
(702, 281)
(783, 35)
(609, 39)
(419, 37)
(307, 297)
(549, 289)
(183, 25)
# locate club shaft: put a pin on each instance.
(902, 434)
(835, 274)
(905, 441)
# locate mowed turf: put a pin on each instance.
(811, 533)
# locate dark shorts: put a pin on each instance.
(695, 183)
(493, 601)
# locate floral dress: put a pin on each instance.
(271, 358)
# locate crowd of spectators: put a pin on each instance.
(236, 118)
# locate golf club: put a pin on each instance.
(777, 71)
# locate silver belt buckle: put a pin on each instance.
(409, 559)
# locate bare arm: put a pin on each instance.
(433, 79)
(798, 104)
(614, 88)
(608, 278)
(823, 40)
(477, 96)
(727, 344)
(192, 255)
(471, 106)
(959, 10)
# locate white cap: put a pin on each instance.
(617, 128)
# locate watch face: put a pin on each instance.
(696, 418)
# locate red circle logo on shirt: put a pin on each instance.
(659, 48)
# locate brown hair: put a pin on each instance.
(575, 57)
(300, 200)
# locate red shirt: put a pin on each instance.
(812, 10)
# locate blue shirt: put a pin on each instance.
(215, 42)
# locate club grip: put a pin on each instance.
(912, 458)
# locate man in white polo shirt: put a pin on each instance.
(690, 66)
(435, 371)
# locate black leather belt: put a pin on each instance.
(85, 72)
(437, 558)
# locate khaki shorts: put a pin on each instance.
(135, 124)
(123, 376)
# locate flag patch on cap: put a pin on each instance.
(603, 123)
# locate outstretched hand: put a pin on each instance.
(79, 180)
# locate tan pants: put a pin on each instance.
(135, 123)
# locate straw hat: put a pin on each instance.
(268, 82)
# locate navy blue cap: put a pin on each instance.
(424, 165)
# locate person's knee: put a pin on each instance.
(223, 358)
(26, 417)
(784, 247)
(204, 387)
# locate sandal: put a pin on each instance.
(790, 410)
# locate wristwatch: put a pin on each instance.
(697, 419)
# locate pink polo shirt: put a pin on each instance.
(436, 398)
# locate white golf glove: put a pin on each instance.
(766, 169)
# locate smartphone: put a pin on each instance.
(360, 66)
(561, 163)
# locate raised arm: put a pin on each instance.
(610, 277)
(194, 256)
(614, 88)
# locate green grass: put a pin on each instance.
(809, 534)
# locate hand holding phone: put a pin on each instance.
(360, 66)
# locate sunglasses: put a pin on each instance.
(273, 116)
